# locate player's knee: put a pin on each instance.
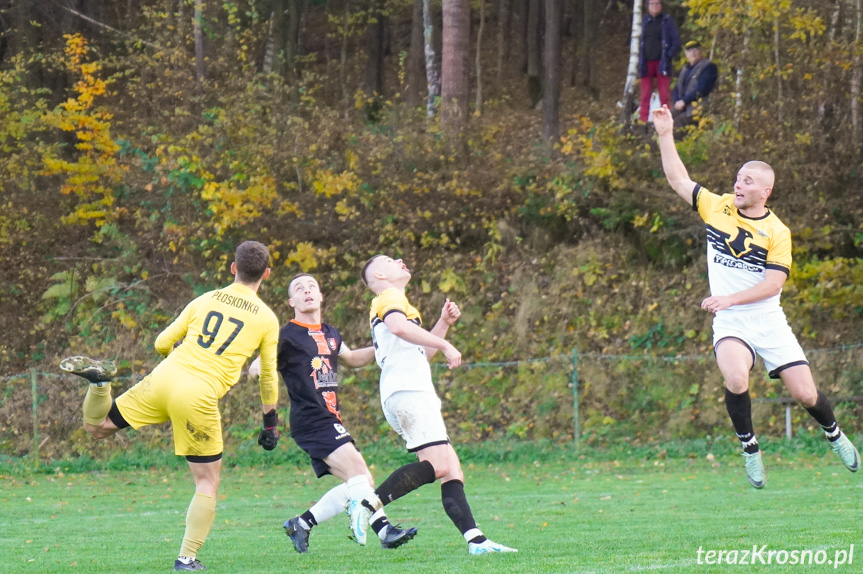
(441, 470)
(806, 397)
(737, 383)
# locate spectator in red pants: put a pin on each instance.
(660, 44)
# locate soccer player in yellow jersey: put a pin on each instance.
(748, 261)
(205, 349)
(411, 406)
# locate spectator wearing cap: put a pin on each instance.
(660, 44)
(696, 81)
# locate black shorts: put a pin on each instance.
(320, 441)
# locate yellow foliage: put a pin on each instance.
(328, 184)
(95, 172)
(232, 206)
(305, 255)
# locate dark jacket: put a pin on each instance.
(670, 46)
(695, 82)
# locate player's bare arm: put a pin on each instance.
(449, 314)
(356, 357)
(399, 326)
(772, 285)
(675, 171)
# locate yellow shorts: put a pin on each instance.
(191, 404)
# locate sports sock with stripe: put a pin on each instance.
(739, 407)
(822, 412)
(456, 507)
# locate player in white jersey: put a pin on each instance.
(748, 261)
(411, 406)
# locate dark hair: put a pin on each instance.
(366, 267)
(252, 259)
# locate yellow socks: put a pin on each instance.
(97, 403)
(199, 520)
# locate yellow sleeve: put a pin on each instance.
(779, 251)
(269, 378)
(174, 332)
(704, 201)
(390, 300)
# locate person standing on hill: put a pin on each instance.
(696, 81)
(748, 261)
(205, 349)
(659, 46)
(308, 360)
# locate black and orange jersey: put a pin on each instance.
(739, 248)
(220, 330)
(309, 362)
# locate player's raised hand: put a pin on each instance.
(662, 120)
(450, 312)
(453, 356)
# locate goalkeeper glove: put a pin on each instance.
(269, 436)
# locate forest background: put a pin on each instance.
(487, 143)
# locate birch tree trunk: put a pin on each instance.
(632, 69)
(738, 81)
(432, 74)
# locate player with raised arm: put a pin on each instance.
(411, 406)
(219, 332)
(748, 261)
(308, 360)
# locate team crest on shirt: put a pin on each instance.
(741, 245)
(332, 343)
(322, 373)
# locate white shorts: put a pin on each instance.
(416, 416)
(765, 332)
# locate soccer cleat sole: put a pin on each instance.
(89, 369)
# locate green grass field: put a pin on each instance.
(583, 515)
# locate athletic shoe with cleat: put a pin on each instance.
(298, 535)
(847, 452)
(755, 469)
(395, 537)
(97, 372)
(193, 565)
(487, 547)
(359, 521)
